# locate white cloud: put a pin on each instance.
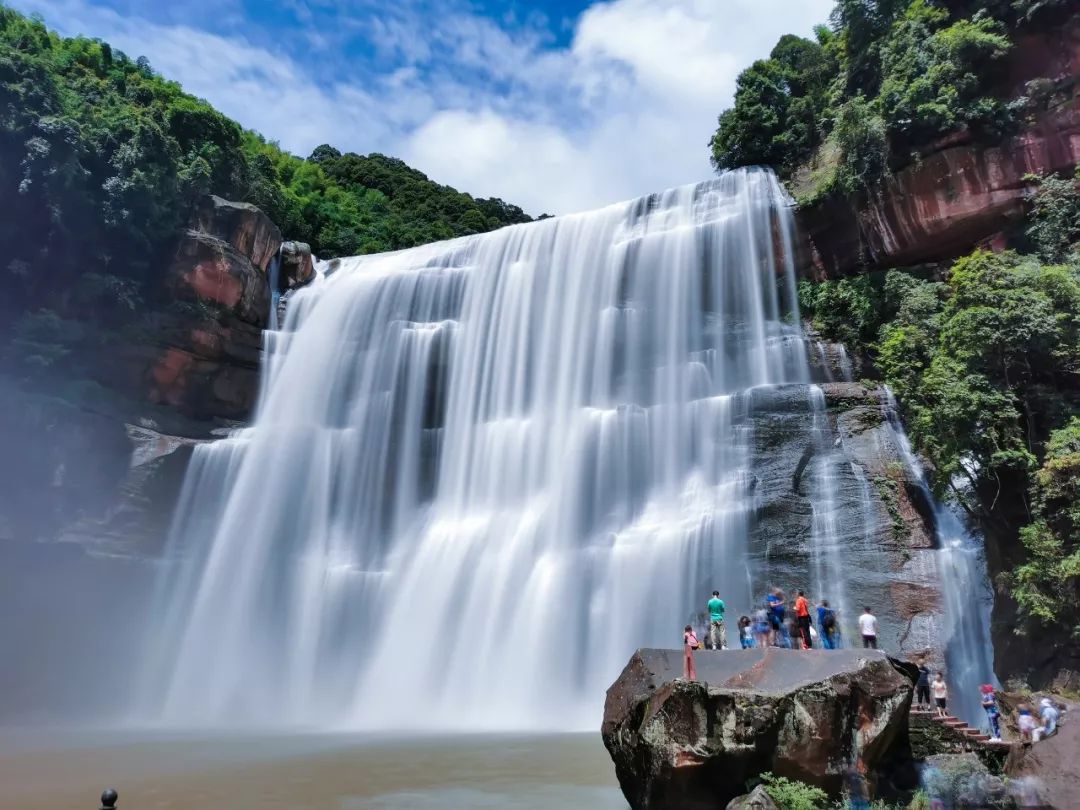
(626, 109)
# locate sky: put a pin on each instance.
(556, 106)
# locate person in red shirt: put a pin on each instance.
(802, 616)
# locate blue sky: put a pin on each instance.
(557, 106)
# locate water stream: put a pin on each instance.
(483, 472)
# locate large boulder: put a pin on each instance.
(297, 265)
(816, 716)
(242, 225)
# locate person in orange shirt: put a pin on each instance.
(802, 616)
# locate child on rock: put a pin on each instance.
(690, 643)
(941, 693)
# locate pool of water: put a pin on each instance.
(51, 769)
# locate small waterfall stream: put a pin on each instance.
(966, 589)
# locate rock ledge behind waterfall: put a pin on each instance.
(811, 716)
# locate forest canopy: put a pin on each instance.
(101, 160)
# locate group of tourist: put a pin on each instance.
(775, 624)
(1031, 729)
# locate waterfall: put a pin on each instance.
(966, 589)
(482, 472)
(274, 275)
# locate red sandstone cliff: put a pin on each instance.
(960, 194)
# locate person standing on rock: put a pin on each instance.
(761, 627)
(922, 686)
(826, 619)
(868, 628)
(746, 633)
(774, 604)
(802, 619)
(717, 637)
(941, 693)
(1025, 721)
(690, 643)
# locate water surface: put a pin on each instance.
(53, 769)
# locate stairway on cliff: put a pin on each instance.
(931, 735)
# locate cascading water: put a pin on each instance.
(966, 589)
(483, 472)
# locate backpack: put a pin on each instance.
(829, 620)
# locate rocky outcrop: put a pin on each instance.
(206, 363)
(960, 193)
(297, 265)
(1048, 769)
(756, 799)
(879, 521)
(816, 716)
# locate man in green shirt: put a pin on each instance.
(717, 637)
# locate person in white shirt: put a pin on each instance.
(868, 628)
(941, 693)
(1049, 714)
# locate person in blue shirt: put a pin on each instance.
(826, 620)
(989, 704)
(717, 637)
(774, 603)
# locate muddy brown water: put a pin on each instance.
(57, 770)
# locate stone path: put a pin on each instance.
(959, 728)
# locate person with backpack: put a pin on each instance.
(826, 619)
(690, 643)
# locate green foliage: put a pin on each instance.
(1054, 224)
(936, 75)
(987, 366)
(1047, 585)
(889, 78)
(790, 794)
(779, 103)
(101, 161)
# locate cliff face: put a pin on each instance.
(107, 474)
(959, 194)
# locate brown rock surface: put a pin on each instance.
(814, 716)
(959, 194)
(250, 232)
(1051, 768)
(206, 361)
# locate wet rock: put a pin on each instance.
(878, 518)
(757, 799)
(297, 265)
(812, 716)
(964, 781)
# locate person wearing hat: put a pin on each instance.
(1049, 714)
(989, 703)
